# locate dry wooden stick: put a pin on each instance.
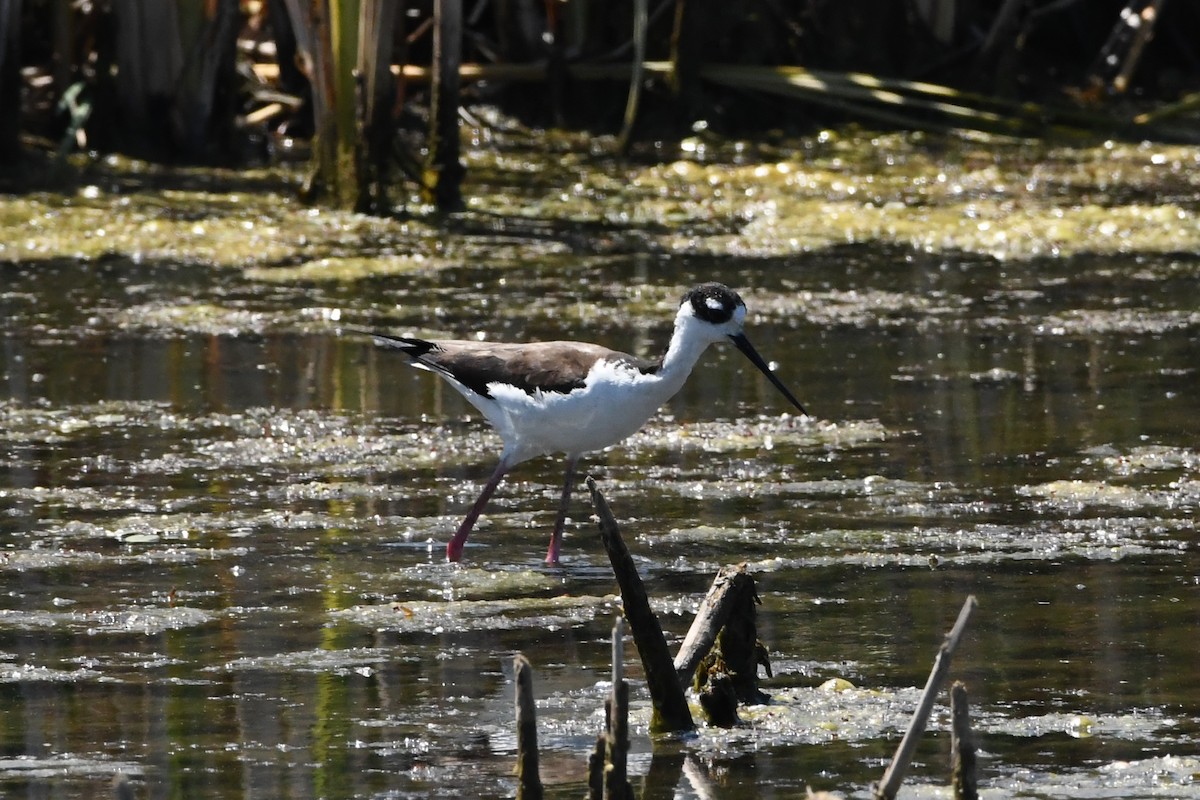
(721, 654)
(894, 775)
(671, 713)
(529, 782)
(712, 615)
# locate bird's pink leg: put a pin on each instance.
(556, 537)
(454, 548)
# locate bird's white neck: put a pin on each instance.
(688, 342)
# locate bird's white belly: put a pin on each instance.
(613, 404)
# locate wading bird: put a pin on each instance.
(574, 397)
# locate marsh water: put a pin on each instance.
(223, 518)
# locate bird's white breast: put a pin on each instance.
(614, 402)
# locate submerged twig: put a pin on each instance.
(894, 775)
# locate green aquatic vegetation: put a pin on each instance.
(333, 490)
(95, 225)
(1135, 726)
(146, 620)
(21, 423)
(39, 422)
(28, 673)
(1007, 199)
(1168, 776)
(1073, 494)
(347, 268)
(464, 615)
(935, 546)
(474, 584)
(1151, 459)
(1137, 321)
(231, 230)
(203, 318)
(328, 444)
(75, 766)
(359, 660)
(341, 452)
(762, 432)
(837, 709)
(1000, 228)
(45, 558)
(860, 307)
(79, 499)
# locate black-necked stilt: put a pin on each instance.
(573, 397)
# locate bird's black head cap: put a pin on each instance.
(713, 302)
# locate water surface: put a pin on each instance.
(223, 523)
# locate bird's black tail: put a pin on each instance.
(410, 346)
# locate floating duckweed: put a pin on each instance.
(335, 269)
(1153, 458)
(476, 615)
(147, 620)
(1088, 493)
(888, 189)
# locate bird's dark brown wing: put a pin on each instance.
(537, 366)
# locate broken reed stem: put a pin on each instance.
(616, 781)
(608, 762)
(617, 745)
(671, 713)
(618, 650)
(962, 746)
(596, 764)
(640, 15)
(529, 782)
(894, 775)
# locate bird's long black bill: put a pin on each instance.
(748, 350)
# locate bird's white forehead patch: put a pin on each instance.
(714, 303)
